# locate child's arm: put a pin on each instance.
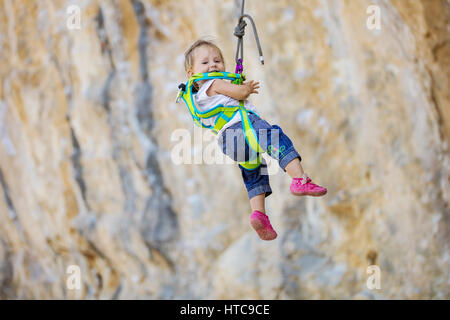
(238, 92)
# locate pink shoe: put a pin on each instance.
(305, 187)
(260, 222)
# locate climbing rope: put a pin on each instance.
(239, 32)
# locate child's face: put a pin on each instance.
(206, 59)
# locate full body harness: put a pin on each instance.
(226, 113)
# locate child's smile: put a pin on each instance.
(207, 59)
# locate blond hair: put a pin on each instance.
(189, 54)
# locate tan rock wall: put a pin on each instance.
(86, 123)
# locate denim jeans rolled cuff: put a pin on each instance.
(263, 188)
(290, 155)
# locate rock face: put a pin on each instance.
(87, 170)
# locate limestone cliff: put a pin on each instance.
(87, 178)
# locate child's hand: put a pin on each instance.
(251, 86)
(238, 92)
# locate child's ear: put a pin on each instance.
(190, 73)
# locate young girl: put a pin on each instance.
(204, 56)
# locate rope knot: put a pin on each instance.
(239, 31)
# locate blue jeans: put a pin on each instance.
(271, 139)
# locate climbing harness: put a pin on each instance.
(223, 113)
(226, 113)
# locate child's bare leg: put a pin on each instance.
(295, 169)
(258, 203)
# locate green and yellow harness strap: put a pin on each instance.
(223, 113)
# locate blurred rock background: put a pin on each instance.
(87, 177)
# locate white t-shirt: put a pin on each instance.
(205, 102)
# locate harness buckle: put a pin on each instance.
(182, 88)
(180, 93)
